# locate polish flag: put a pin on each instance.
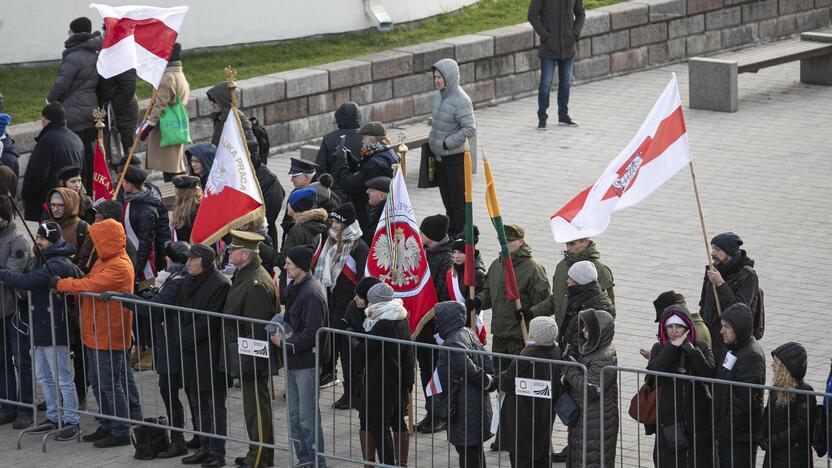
(139, 37)
(232, 194)
(434, 387)
(659, 150)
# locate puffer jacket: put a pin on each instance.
(15, 256)
(452, 115)
(142, 213)
(556, 303)
(680, 401)
(221, 94)
(464, 377)
(105, 325)
(77, 80)
(596, 352)
(785, 431)
(740, 408)
(559, 24)
(531, 282)
(348, 119)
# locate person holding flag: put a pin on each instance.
(456, 284)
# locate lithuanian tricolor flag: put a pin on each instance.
(470, 278)
(512, 293)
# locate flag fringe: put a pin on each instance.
(257, 213)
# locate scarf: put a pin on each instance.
(331, 261)
(393, 310)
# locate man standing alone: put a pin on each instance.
(558, 23)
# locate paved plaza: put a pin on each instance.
(763, 172)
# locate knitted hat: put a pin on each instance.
(583, 272)
(5, 120)
(459, 245)
(135, 175)
(54, 112)
(301, 256)
(514, 232)
(435, 227)
(344, 213)
(793, 356)
(375, 129)
(543, 330)
(50, 230)
(380, 293)
(302, 199)
(728, 242)
(81, 25)
(363, 286)
(665, 300)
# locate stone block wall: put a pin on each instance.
(297, 106)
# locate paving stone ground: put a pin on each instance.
(763, 173)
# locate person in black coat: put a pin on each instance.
(684, 407)
(348, 119)
(141, 208)
(273, 195)
(377, 190)
(119, 94)
(786, 428)
(352, 171)
(201, 340)
(56, 147)
(466, 379)
(739, 409)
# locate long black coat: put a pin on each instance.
(77, 79)
(352, 180)
(787, 432)
(201, 334)
(558, 23)
(440, 261)
(684, 402)
(348, 119)
(120, 92)
(273, 195)
(57, 147)
(526, 422)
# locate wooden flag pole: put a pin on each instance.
(98, 115)
(704, 234)
(135, 144)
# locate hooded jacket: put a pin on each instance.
(464, 377)
(205, 153)
(741, 408)
(15, 256)
(559, 24)
(348, 119)
(37, 281)
(352, 181)
(221, 94)
(556, 303)
(74, 230)
(142, 211)
(56, 147)
(596, 352)
(105, 325)
(452, 113)
(77, 80)
(531, 282)
(581, 297)
(682, 401)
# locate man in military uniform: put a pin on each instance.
(252, 296)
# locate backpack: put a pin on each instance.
(758, 311)
(262, 137)
(149, 441)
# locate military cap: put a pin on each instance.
(299, 166)
(514, 232)
(380, 183)
(185, 181)
(245, 240)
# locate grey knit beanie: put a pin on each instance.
(380, 293)
(543, 330)
(583, 272)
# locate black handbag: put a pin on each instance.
(427, 168)
(675, 437)
(566, 409)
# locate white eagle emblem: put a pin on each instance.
(407, 251)
(217, 181)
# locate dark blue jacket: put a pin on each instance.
(9, 156)
(37, 281)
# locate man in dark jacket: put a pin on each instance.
(377, 190)
(273, 195)
(252, 296)
(734, 280)
(117, 96)
(75, 87)
(739, 408)
(348, 119)
(56, 148)
(205, 289)
(49, 330)
(375, 159)
(559, 24)
(584, 293)
(434, 234)
(141, 220)
(220, 98)
(306, 312)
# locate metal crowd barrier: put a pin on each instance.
(633, 378)
(428, 449)
(18, 380)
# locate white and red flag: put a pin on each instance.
(398, 258)
(232, 194)
(434, 386)
(659, 150)
(139, 37)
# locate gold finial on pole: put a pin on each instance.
(402, 150)
(231, 78)
(98, 115)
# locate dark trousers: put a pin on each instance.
(78, 362)
(87, 137)
(547, 74)
(169, 389)
(427, 359)
(380, 433)
(14, 345)
(470, 456)
(213, 417)
(737, 455)
(450, 176)
(258, 414)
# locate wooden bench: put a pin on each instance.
(713, 80)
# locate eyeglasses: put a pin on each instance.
(57, 205)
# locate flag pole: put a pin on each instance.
(135, 143)
(98, 115)
(704, 233)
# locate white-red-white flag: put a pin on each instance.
(658, 151)
(139, 37)
(232, 194)
(434, 387)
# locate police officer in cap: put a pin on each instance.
(302, 174)
(252, 296)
